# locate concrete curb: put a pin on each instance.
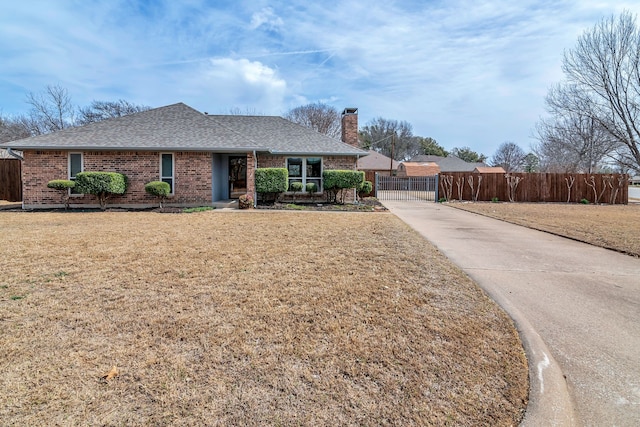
(550, 403)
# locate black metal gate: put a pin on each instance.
(419, 188)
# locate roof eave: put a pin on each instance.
(315, 153)
(93, 148)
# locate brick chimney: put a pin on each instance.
(350, 126)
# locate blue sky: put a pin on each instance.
(465, 72)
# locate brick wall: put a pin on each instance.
(192, 176)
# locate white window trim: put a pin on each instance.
(304, 172)
(173, 171)
(71, 194)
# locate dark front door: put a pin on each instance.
(237, 176)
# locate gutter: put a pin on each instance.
(13, 154)
(145, 149)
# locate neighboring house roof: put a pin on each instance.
(426, 158)
(418, 169)
(376, 161)
(494, 169)
(449, 164)
(178, 127)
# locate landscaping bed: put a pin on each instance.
(367, 204)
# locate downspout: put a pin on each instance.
(355, 190)
(13, 154)
(255, 166)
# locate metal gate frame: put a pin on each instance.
(420, 188)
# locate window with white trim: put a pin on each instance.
(167, 170)
(76, 165)
(305, 170)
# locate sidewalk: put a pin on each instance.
(575, 306)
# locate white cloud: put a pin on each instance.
(267, 18)
(248, 83)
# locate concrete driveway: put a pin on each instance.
(577, 308)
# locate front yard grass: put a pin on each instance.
(246, 318)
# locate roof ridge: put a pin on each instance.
(237, 132)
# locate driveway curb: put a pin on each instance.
(550, 402)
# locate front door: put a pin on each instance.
(237, 176)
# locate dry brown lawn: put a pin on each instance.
(246, 318)
(609, 226)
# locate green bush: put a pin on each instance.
(272, 181)
(101, 184)
(337, 181)
(62, 185)
(584, 201)
(295, 186)
(365, 188)
(159, 189)
(311, 187)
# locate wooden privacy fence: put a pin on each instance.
(10, 181)
(535, 187)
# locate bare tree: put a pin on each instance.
(11, 129)
(318, 116)
(102, 110)
(391, 138)
(603, 82)
(51, 110)
(572, 142)
(509, 156)
(237, 111)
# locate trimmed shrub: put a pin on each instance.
(62, 185)
(311, 187)
(272, 181)
(337, 181)
(365, 188)
(295, 187)
(245, 201)
(159, 189)
(101, 184)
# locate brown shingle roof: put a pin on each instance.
(487, 169)
(418, 169)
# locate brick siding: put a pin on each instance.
(192, 176)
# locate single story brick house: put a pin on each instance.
(204, 158)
